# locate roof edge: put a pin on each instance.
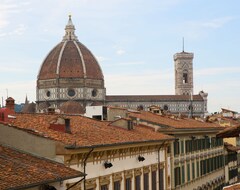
(117, 144)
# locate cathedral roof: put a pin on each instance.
(151, 98)
(70, 59)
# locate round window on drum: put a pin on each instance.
(48, 93)
(71, 92)
(165, 107)
(94, 93)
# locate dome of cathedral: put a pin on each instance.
(70, 59)
(70, 72)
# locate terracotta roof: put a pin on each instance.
(231, 147)
(20, 170)
(232, 187)
(229, 132)
(151, 98)
(70, 59)
(172, 121)
(85, 131)
(71, 62)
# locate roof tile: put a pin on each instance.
(84, 131)
(20, 169)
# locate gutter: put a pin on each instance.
(71, 147)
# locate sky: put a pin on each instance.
(133, 40)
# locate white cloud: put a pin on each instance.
(209, 24)
(19, 90)
(3, 22)
(216, 23)
(21, 28)
(13, 69)
(120, 52)
(7, 8)
(101, 58)
(13, 7)
(3, 34)
(198, 28)
(151, 82)
(131, 63)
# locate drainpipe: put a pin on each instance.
(84, 172)
(84, 168)
(159, 177)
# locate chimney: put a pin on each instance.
(10, 102)
(67, 126)
(130, 124)
(61, 124)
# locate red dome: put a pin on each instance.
(70, 59)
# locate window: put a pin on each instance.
(146, 181)
(138, 182)
(185, 77)
(213, 142)
(117, 185)
(104, 187)
(48, 93)
(207, 139)
(154, 180)
(189, 146)
(128, 184)
(188, 172)
(165, 107)
(183, 174)
(161, 176)
(197, 168)
(176, 147)
(71, 92)
(94, 92)
(193, 170)
(177, 176)
(182, 147)
(140, 107)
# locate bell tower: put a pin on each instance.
(183, 65)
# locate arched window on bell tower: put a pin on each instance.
(185, 77)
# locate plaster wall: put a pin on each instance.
(27, 142)
(94, 170)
